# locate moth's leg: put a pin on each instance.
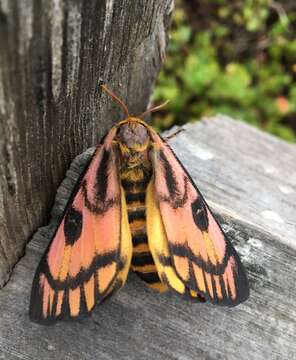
(174, 134)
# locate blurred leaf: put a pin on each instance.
(242, 64)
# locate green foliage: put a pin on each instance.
(210, 71)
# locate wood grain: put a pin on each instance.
(52, 55)
(243, 173)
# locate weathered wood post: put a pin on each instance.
(52, 54)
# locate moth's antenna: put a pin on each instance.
(153, 109)
(120, 102)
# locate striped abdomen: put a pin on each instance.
(142, 261)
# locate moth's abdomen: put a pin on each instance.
(142, 261)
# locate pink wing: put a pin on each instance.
(84, 258)
(201, 255)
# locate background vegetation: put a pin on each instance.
(231, 57)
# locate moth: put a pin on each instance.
(135, 207)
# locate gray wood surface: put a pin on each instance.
(249, 179)
(52, 55)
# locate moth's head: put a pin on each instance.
(133, 135)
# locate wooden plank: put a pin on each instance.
(243, 173)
